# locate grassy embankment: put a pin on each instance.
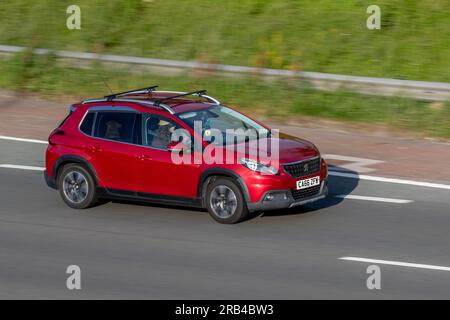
(323, 36)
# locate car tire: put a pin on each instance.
(77, 186)
(225, 202)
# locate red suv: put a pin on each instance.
(168, 147)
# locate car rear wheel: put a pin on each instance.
(225, 201)
(77, 187)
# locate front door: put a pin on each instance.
(158, 174)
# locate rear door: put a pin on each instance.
(112, 146)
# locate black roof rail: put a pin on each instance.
(197, 93)
(142, 102)
(150, 102)
(145, 90)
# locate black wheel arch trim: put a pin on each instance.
(208, 173)
(74, 159)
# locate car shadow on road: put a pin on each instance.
(338, 188)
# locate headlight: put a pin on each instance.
(258, 167)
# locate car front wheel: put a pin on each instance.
(225, 201)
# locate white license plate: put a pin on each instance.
(306, 183)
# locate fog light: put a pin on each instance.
(269, 197)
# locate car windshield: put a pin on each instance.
(224, 122)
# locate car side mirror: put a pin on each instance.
(175, 146)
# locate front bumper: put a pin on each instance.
(283, 199)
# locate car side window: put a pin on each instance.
(116, 126)
(88, 123)
(157, 131)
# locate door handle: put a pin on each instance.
(144, 157)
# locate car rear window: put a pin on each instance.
(117, 126)
(88, 123)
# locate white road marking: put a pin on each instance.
(390, 180)
(378, 199)
(23, 140)
(397, 263)
(14, 166)
(357, 164)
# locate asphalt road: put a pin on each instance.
(139, 251)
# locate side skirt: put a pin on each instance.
(149, 197)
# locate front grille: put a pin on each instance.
(305, 193)
(302, 168)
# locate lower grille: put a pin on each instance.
(305, 193)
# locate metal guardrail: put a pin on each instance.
(432, 91)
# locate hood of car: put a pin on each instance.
(289, 149)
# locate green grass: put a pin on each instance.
(321, 35)
(278, 99)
